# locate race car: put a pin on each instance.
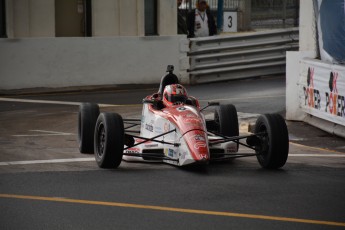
(173, 129)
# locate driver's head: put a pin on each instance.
(179, 3)
(202, 5)
(174, 93)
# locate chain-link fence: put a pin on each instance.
(274, 13)
(263, 13)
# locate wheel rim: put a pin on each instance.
(217, 122)
(264, 147)
(101, 140)
(79, 129)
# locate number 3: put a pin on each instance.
(230, 21)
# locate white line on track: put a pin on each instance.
(45, 133)
(318, 155)
(243, 98)
(52, 102)
(70, 160)
(47, 161)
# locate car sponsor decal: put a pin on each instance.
(199, 145)
(151, 145)
(231, 149)
(139, 140)
(149, 127)
(181, 109)
(203, 156)
(199, 137)
(133, 150)
(199, 141)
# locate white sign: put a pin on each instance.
(230, 22)
(322, 90)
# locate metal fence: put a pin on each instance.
(264, 13)
(240, 56)
(213, 4)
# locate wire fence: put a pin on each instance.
(263, 13)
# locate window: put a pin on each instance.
(151, 17)
(88, 19)
(2, 19)
(73, 18)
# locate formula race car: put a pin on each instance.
(174, 130)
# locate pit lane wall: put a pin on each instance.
(92, 61)
(315, 88)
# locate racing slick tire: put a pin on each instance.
(109, 140)
(87, 117)
(226, 119)
(274, 144)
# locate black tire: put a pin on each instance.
(87, 117)
(274, 148)
(109, 140)
(226, 120)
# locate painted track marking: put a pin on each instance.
(70, 160)
(56, 102)
(316, 148)
(45, 133)
(172, 209)
(243, 98)
(51, 161)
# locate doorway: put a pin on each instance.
(3, 33)
(73, 18)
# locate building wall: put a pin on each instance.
(96, 61)
(36, 18)
(30, 18)
(167, 17)
(118, 52)
(106, 18)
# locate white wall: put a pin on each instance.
(307, 27)
(296, 77)
(30, 18)
(66, 62)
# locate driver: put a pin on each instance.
(174, 94)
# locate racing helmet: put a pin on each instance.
(174, 93)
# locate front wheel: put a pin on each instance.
(87, 117)
(109, 140)
(273, 150)
(226, 121)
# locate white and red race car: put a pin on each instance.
(174, 130)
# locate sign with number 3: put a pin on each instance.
(230, 22)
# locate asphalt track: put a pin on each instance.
(46, 184)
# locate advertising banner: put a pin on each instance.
(331, 27)
(322, 90)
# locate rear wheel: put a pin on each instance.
(226, 120)
(87, 117)
(274, 141)
(109, 140)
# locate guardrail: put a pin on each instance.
(240, 56)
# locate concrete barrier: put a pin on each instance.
(67, 62)
(312, 95)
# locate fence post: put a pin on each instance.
(245, 10)
(220, 15)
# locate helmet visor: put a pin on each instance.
(178, 98)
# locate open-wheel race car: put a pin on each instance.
(174, 130)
